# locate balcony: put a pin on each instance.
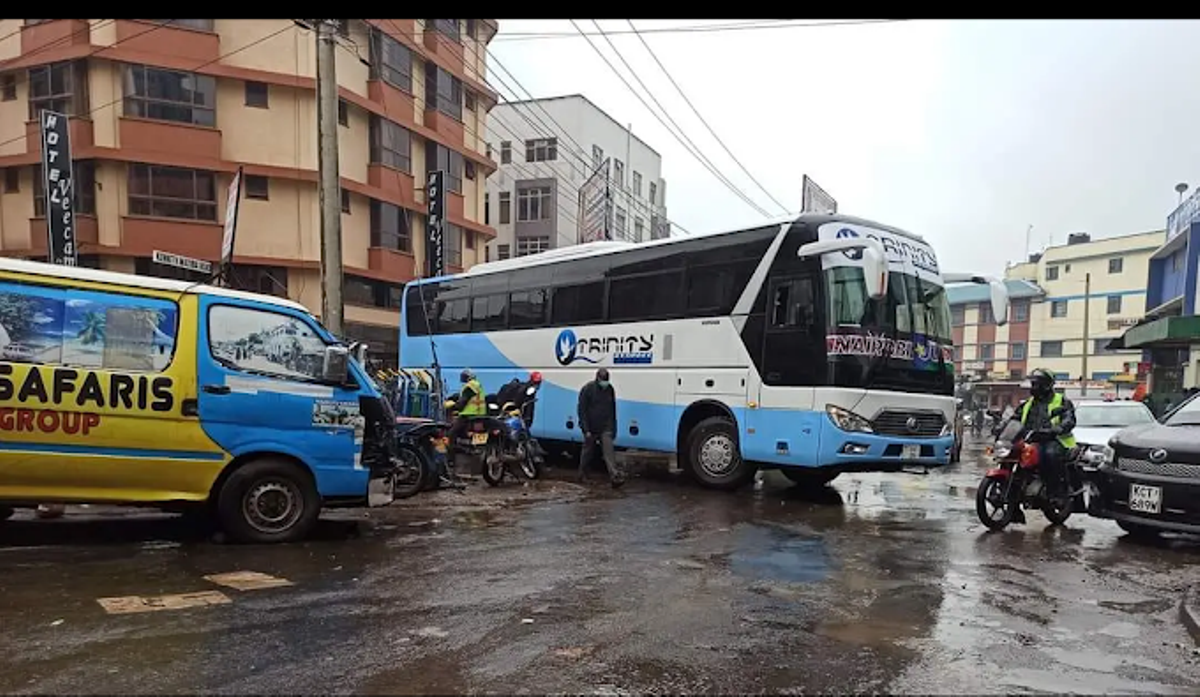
(454, 206)
(46, 36)
(182, 144)
(199, 239)
(180, 45)
(447, 127)
(81, 135)
(87, 232)
(397, 104)
(397, 266)
(392, 181)
(449, 51)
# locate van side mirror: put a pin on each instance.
(863, 252)
(336, 368)
(360, 353)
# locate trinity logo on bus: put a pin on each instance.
(128, 389)
(815, 345)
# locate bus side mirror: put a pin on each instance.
(999, 298)
(863, 252)
(336, 368)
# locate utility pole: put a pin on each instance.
(1087, 303)
(328, 182)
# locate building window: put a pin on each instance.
(257, 187)
(619, 224)
(8, 87)
(258, 94)
(653, 192)
(1052, 349)
(1067, 268)
(532, 245)
(469, 169)
(84, 185)
(345, 201)
(637, 183)
(343, 113)
(12, 180)
(1058, 308)
(471, 28)
(438, 157)
(502, 252)
(1016, 351)
(390, 227)
(985, 314)
(619, 172)
(391, 61)
(452, 245)
(487, 208)
(1016, 374)
(469, 239)
(443, 92)
(505, 207)
(986, 352)
(505, 152)
(172, 192)
(533, 204)
(446, 27)
(1051, 273)
(958, 315)
(638, 227)
(1116, 265)
(1114, 304)
(170, 95)
(391, 145)
(60, 87)
(597, 156)
(196, 24)
(1100, 347)
(469, 100)
(541, 150)
(1020, 312)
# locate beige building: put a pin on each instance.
(1118, 268)
(163, 112)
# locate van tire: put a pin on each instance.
(719, 434)
(281, 482)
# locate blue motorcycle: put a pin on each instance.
(510, 448)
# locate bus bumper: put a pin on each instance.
(851, 450)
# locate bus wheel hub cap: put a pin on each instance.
(716, 455)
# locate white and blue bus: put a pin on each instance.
(817, 345)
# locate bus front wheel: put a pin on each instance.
(715, 457)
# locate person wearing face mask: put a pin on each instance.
(598, 421)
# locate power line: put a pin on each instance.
(697, 154)
(700, 29)
(702, 119)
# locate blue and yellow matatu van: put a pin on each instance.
(128, 389)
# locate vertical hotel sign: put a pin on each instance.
(61, 245)
(435, 195)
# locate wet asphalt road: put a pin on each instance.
(880, 583)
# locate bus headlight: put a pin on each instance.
(847, 420)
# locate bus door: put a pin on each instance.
(786, 423)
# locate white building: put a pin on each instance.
(547, 149)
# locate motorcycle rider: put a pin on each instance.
(471, 402)
(1051, 432)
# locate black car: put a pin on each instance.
(1150, 479)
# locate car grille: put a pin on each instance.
(1175, 470)
(895, 423)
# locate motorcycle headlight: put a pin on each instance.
(847, 420)
(1002, 452)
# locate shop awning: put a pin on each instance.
(1162, 332)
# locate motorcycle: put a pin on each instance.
(502, 441)
(1015, 482)
(421, 446)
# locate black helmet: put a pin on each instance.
(466, 375)
(1041, 382)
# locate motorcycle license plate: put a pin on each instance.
(910, 452)
(1145, 499)
(479, 438)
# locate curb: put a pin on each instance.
(1189, 612)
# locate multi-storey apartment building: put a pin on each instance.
(1117, 268)
(163, 112)
(548, 150)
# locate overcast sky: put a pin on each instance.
(964, 132)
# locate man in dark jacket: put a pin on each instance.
(598, 421)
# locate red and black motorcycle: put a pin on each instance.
(1015, 482)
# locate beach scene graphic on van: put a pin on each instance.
(85, 329)
(265, 342)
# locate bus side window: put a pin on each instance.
(792, 304)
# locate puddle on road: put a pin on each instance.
(771, 554)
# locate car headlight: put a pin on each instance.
(847, 420)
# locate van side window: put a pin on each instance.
(86, 328)
(267, 343)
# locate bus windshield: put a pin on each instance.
(913, 305)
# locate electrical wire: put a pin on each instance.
(699, 29)
(62, 40)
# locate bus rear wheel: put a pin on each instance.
(715, 457)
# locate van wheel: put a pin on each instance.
(714, 457)
(268, 500)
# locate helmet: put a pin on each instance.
(535, 377)
(1041, 382)
(466, 375)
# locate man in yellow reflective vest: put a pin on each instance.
(471, 402)
(1052, 416)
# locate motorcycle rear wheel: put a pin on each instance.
(493, 465)
(991, 490)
